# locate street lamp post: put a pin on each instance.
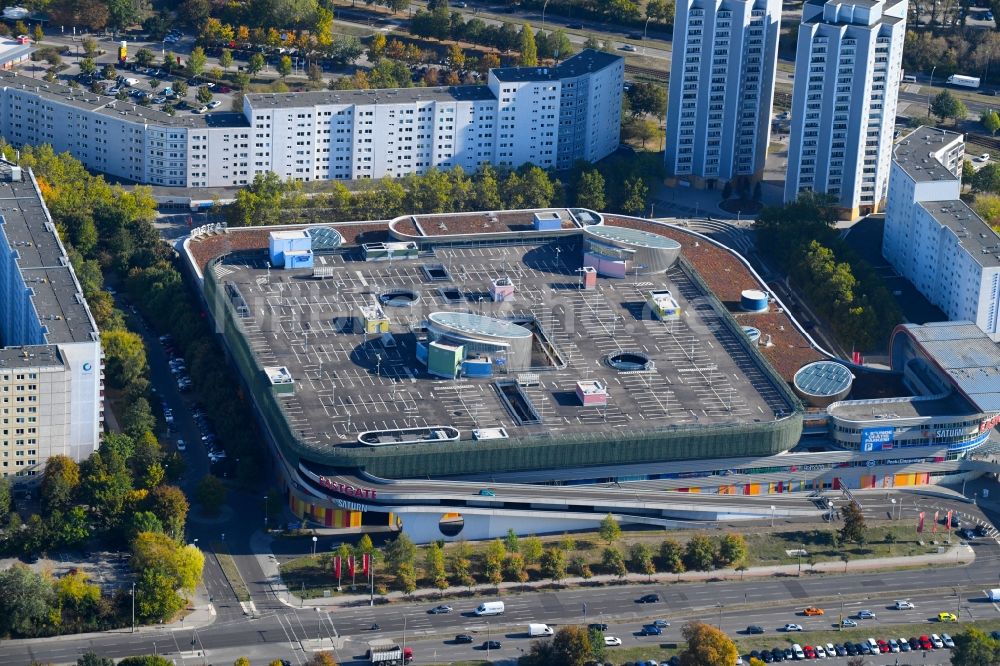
(315, 539)
(892, 514)
(644, 28)
(930, 85)
(772, 515)
(544, 5)
(841, 611)
(133, 607)
(265, 513)
(720, 616)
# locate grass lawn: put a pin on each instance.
(310, 576)
(769, 549)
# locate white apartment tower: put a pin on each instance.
(847, 71)
(721, 89)
(933, 239)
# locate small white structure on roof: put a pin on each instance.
(592, 393)
(295, 242)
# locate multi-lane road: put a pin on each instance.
(279, 631)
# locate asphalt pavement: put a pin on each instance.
(280, 632)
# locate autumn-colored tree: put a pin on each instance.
(706, 646)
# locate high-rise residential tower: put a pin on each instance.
(847, 71)
(721, 89)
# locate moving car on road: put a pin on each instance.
(611, 641)
(904, 604)
(812, 611)
(648, 599)
(440, 610)
(866, 615)
(945, 616)
(464, 638)
(791, 626)
(848, 622)
(491, 645)
(755, 629)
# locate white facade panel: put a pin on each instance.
(935, 240)
(847, 71)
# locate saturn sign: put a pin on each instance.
(87, 368)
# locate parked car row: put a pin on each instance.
(871, 646)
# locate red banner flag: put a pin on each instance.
(947, 522)
(920, 522)
(366, 562)
(856, 357)
(934, 526)
(336, 567)
(350, 565)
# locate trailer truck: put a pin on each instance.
(387, 653)
(964, 81)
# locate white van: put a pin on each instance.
(909, 78)
(535, 630)
(490, 608)
(797, 651)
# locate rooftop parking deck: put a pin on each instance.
(348, 382)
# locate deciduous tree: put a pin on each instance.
(59, 482)
(974, 648)
(641, 559)
(528, 48)
(613, 560)
(732, 550)
(553, 564)
(590, 190)
(706, 646)
(571, 646)
(610, 530)
(531, 549)
(854, 529)
(990, 120)
(211, 493)
(671, 556)
(946, 105)
(699, 555)
(25, 597)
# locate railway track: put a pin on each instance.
(990, 142)
(648, 72)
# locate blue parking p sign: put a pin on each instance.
(875, 439)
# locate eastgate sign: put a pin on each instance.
(348, 489)
(989, 423)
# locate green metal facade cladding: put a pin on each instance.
(544, 451)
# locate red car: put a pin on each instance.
(809, 652)
(925, 643)
(883, 645)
